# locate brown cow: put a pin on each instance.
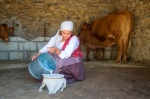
(87, 26)
(117, 25)
(90, 42)
(96, 52)
(5, 32)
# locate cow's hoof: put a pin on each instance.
(124, 61)
(117, 61)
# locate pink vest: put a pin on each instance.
(77, 52)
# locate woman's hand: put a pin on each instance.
(54, 50)
(35, 56)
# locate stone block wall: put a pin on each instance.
(38, 18)
(21, 49)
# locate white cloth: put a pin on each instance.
(53, 84)
(66, 25)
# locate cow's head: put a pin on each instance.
(4, 32)
(87, 26)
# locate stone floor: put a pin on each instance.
(104, 80)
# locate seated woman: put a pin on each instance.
(64, 47)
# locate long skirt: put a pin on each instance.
(72, 68)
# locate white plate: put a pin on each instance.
(53, 75)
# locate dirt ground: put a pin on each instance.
(104, 80)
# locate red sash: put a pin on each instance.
(77, 52)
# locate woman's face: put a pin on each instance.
(66, 34)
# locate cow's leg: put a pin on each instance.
(87, 54)
(125, 48)
(125, 53)
(119, 53)
(103, 51)
(113, 52)
(97, 54)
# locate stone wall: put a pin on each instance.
(36, 18)
(21, 49)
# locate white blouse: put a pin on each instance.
(56, 41)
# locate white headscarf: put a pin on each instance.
(66, 25)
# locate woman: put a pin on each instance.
(64, 47)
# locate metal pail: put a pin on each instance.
(43, 64)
